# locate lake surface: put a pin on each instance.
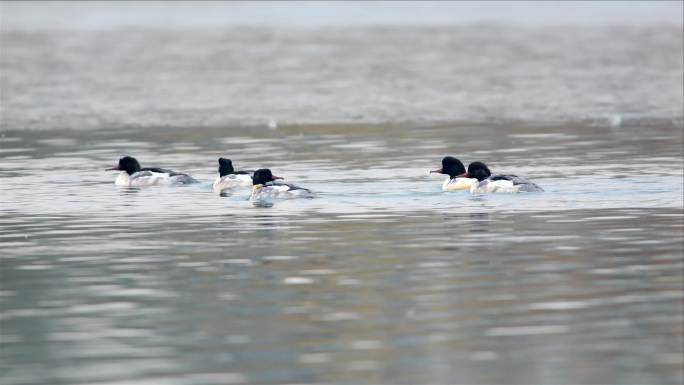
(382, 278)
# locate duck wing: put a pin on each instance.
(244, 172)
(156, 169)
(292, 187)
(179, 177)
(525, 185)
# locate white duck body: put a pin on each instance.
(232, 181)
(133, 175)
(146, 178)
(271, 191)
(499, 186)
(504, 184)
(457, 184)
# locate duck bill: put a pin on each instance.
(115, 168)
(440, 171)
(276, 177)
(464, 175)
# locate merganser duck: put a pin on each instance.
(497, 183)
(229, 178)
(133, 175)
(455, 171)
(265, 189)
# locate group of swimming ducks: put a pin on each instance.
(266, 186)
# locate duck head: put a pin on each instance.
(128, 164)
(451, 166)
(225, 167)
(477, 170)
(263, 176)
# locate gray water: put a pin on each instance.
(213, 77)
(382, 278)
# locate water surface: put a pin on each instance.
(233, 76)
(382, 278)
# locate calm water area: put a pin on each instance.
(382, 278)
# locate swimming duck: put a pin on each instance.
(497, 183)
(455, 170)
(229, 178)
(133, 175)
(265, 188)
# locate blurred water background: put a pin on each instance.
(382, 278)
